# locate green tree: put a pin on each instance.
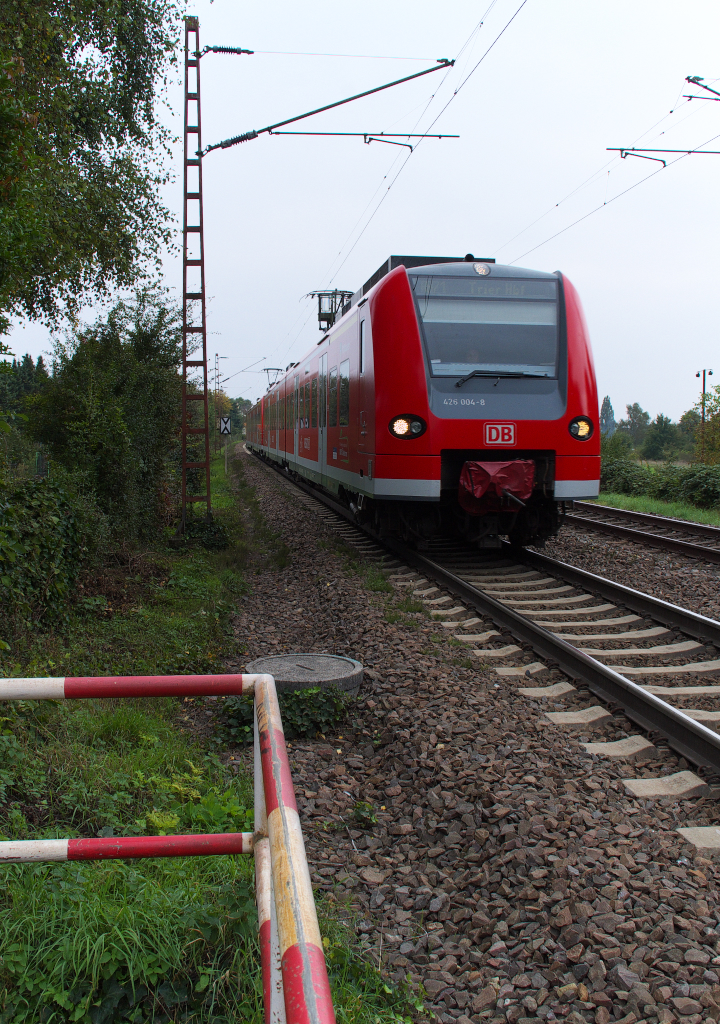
(238, 412)
(19, 380)
(607, 417)
(707, 440)
(689, 423)
(81, 147)
(636, 423)
(110, 412)
(661, 438)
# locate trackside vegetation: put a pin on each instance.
(655, 507)
(697, 485)
(146, 941)
(695, 438)
(94, 579)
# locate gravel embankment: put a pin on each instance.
(676, 578)
(509, 872)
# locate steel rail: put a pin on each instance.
(693, 741)
(690, 739)
(698, 626)
(665, 522)
(657, 540)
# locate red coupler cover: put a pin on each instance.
(482, 484)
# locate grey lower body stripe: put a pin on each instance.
(576, 489)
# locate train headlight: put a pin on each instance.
(581, 427)
(407, 427)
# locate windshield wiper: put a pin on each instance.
(492, 373)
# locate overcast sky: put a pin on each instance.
(566, 79)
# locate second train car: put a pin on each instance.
(451, 396)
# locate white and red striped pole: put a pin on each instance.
(73, 687)
(306, 987)
(20, 851)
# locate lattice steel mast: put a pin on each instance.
(195, 428)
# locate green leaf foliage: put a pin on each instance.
(697, 485)
(110, 412)
(304, 713)
(40, 551)
(20, 380)
(81, 148)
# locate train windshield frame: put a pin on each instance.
(503, 326)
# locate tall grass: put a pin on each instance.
(118, 941)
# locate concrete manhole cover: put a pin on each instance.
(300, 671)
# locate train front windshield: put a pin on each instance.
(489, 326)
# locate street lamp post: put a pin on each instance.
(702, 428)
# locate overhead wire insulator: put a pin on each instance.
(246, 137)
(223, 49)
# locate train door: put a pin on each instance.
(362, 402)
(366, 397)
(297, 420)
(322, 418)
(276, 421)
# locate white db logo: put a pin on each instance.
(500, 433)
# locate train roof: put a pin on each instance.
(453, 266)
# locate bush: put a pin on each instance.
(619, 446)
(303, 712)
(624, 476)
(40, 551)
(700, 485)
(696, 485)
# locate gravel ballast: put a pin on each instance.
(682, 580)
(509, 873)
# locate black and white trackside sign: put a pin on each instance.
(224, 424)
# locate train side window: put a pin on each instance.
(314, 403)
(307, 404)
(322, 404)
(333, 403)
(362, 346)
(282, 412)
(345, 393)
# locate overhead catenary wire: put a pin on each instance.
(468, 43)
(432, 124)
(348, 56)
(465, 45)
(245, 370)
(602, 206)
(442, 62)
(613, 161)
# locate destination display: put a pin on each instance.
(482, 288)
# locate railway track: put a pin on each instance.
(563, 633)
(512, 874)
(694, 539)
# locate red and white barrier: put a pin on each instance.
(295, 982)
(18, 851)
(73, 687)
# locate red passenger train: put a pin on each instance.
(449, 397)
